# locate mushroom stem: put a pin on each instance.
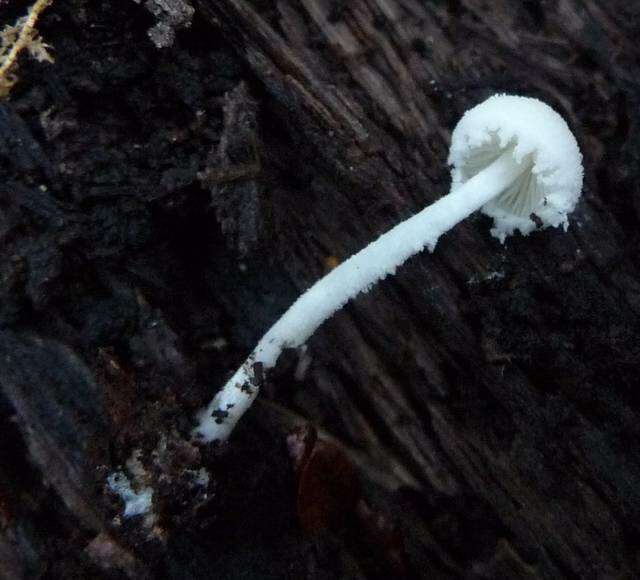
(357, 274)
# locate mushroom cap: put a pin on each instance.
(536, 135)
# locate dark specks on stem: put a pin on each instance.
(258, 374)
(245, 388)
(219, 415)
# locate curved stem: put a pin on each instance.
(357, 274)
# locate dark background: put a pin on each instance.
(185, 169)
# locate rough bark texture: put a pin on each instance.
(478, 413)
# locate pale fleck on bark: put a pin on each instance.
(171, 15)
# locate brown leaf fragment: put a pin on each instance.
(330, 499)
(328, 488)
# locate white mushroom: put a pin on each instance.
(512, 157)
(539, 141)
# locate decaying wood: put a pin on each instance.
(161, 208)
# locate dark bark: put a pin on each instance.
(478, 412)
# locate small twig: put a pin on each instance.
(24, 40)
